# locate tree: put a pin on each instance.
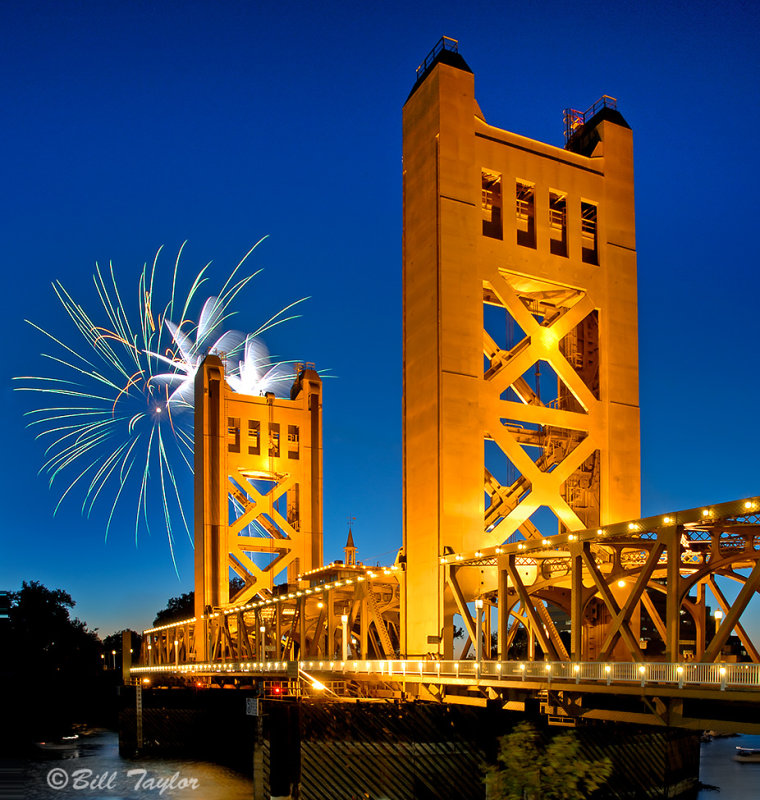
(54, 676)
(558, 771)
(183, 607)
(177, 609)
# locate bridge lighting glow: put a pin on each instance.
(478, 554)
(443, 560)
(571, 538)
(722, 671)
(548, 667)
(642, 670)
(679, 670)
(521, 546)
(320, 687)
(632, 526)
(522, 667)
(607, 668)
(718, 614)
(599, 532)
(705, 512)
(748, 504)
(576, 668)
(621, 584)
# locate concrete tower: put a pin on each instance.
(520, 412)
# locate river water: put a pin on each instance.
(736, 780)
(96, 771)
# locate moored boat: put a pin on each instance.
(747, 754)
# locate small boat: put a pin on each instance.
(64, 743)
(747, 754)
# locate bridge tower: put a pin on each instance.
(258, 488)
(520, 411)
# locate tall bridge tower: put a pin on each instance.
(520, 413)
(258, 488)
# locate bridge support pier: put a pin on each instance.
(317, 749)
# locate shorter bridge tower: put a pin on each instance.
(258, 489)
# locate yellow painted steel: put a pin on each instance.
(516, 255)
(258, 488)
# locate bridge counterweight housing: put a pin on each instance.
(258, 488)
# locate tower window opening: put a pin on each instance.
(491, 204)
(233, 434)
(274, 439)
(525, 212)
(589, 233)
(558, 223)
(254, 437)
(293, 441)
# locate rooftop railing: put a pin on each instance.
(575, 119)
(444, 43)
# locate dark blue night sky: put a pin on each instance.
(128, 125)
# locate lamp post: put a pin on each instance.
(718, 614)
(262, 648)
(344, 625)
(479, 631)
(113, 659)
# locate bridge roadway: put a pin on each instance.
(699, 696)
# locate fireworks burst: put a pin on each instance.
(112, 421)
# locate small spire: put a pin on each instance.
(350, 550)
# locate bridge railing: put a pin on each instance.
(683, 675)
(716, 674)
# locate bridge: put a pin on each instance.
(522, 530)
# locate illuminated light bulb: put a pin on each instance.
(748, 504)
(548, 667)
(499, 550)
(667, 520)
(545, 541)
(621, 583)
(679, 670)
(642, 670)
(443, 560)
(631, 526)
(599, 532)
(498, 667)
(607, 668)
(576, 668)
(478, 554)
(521, 546)
(571, 538)
(705, 512)
(722, 671)
(522, 667)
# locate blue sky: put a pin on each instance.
(128, 125)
